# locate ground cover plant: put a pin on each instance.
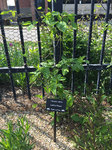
(92, 128)
(16, 137)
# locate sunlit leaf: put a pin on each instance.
(13, 13)
(34, 106)
(55, 13)
(5, 12)
(39, 96)
(62, 26)
(39, 8)
(26, 23)
(30, 27)
(98, 6)
(74, 25)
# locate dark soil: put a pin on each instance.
(23, 103)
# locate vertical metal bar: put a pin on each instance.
(39, 41)
(111, 76)
(55, 126)
(38, 31)
(58, 44)
(23, 47)
(52, 3)
(74, 45)
(103, 46)
(89, 42)
(52, 6)
(7, 55)
(58, 5)
(111, 80)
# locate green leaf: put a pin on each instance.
(52, 114)
(62, 26)
(77, 118)
(109, 65)
(24, 55)
(50, 22)
(64, 14)
(26, 23)
(98, 5)
(39, 96)
(53, 89)
(57, 119)
(58, 65)
(3, 145)
(65, 71)
(5, 12)
(48, 14)
(13, 13)
(49, 0)
(52, 123)
(48, 90)
(69, 101)
(39, 8)
(55, 13)
(74, 25)
(52, 35)
(30, 27)
(104, 129)
(60, 85)
(61, 79)
(45, 71)
(103, 97)
(34, 106)
(71, 17)
(35, 22)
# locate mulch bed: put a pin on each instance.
(41, 129)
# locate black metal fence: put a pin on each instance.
(57, 7)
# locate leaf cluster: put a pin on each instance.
(92, 129)
(16, 137)
(59, 21)
(53, 77)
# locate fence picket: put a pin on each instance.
(89, 42)
(39, 40)
(7, 56)
(103, 46)
(74, 45)
(23, 47)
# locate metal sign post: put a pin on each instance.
(56, 106)
(55, 126)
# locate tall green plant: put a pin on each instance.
(53, 77)
(16, 137)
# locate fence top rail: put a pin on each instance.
(17, 69)
(32, 69)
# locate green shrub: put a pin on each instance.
(16, 137)
(65, 24)
(92, 127)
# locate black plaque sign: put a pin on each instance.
(56, 105)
